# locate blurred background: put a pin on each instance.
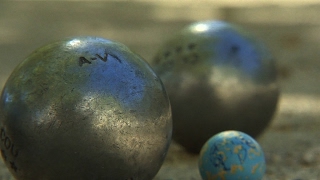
(290, 28)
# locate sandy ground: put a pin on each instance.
(291, 143)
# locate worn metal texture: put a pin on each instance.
(84, 108)
(218, 77)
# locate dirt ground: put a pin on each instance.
(292, 141)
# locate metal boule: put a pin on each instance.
(219, 77)
(84, 108)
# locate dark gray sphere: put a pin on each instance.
(218, 77)
(84, 108)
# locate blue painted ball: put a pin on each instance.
(232, 155)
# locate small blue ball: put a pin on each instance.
(232, 155)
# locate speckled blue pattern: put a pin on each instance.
(232, 155)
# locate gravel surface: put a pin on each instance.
(291, 143)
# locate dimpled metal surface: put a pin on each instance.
(84, 108)
(218, 78)
(231, 155)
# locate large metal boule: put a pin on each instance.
(84, 108)
(218, 77)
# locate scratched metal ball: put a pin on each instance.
(84, 108)
(218, 77)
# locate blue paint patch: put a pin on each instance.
(236, 50)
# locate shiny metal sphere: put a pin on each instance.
(218, 78)
(84, 108)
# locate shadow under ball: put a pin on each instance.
(84, 108)
(218, 77)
